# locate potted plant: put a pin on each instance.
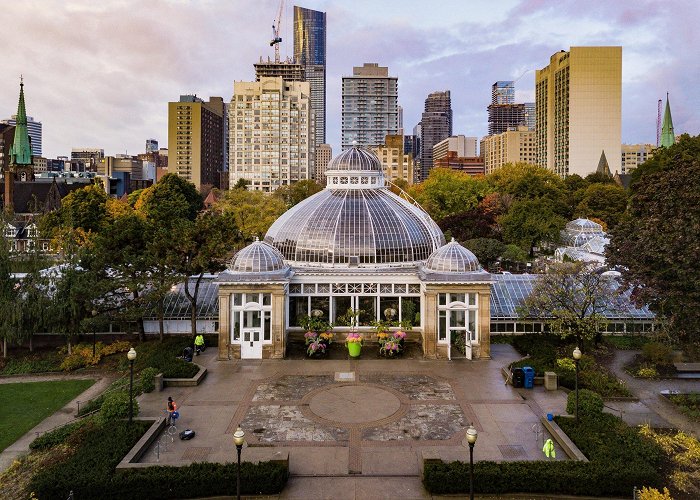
(318, 336)
(316, 349)
(390, 348)
(354, 343)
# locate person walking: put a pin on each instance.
(172, 408)
(199, 344)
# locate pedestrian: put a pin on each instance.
(199, 344)
(548, 449)
(172, 408)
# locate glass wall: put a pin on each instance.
(251, 311)
(458, 315)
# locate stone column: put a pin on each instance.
(485, 323)
(430, 326)
(224, 323)
(279, 344)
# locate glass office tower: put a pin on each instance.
(310, 52)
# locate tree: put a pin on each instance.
(252, 212)
(479, 222)
(198, 247)
(170, 200)
(297, 191)
(8, 294)
(657, 243)
(487, 250)
(572, 299)
(531, 222)
(524, 181)
(603, 201)
(447, 192)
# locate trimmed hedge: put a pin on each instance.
(90, 471)
(164, 357)
(590, 404)
(620, 459)
(56, 436)
(116, 406)
(148, 379)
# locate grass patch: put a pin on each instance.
(627, 342)
(27, 404)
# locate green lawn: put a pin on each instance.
(25, 405)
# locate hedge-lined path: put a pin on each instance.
(354, 418)
(61, 417)
(649, 393)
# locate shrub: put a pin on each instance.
(116, 406)
(590, 404)
(164, 357)
(31, 364)
(92, 405)
(654, 494)
(601, 381)
(148, 377)
(657, 353)
(115, 347)
(647, 372)
(81, 356)
(56, 436)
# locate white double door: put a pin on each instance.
(251, 335)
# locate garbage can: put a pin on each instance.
(550, 381)
(518, 377)
(529, 376)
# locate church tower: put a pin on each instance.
(21, 164)
(668, 138)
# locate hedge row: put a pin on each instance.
(620, 459)
(90, 471)
(565, 478)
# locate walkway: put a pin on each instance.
(61, 417)
(649, 394)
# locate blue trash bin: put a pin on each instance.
(529, 374)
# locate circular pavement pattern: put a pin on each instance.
(354, 404)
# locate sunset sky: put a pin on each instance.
(100, 73)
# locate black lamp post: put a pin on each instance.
(577, 357)
(131, 355)
(94, 334)
(471, 439)
(238, 440)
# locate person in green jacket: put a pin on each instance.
(548, 449)
(199, 344)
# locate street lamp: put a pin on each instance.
(577, 357)
(131, 355)
(94, 334)
(471, 439)
(238, 440)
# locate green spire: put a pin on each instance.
(667, 136)
(21, 151)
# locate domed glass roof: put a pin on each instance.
(355, 159)
(452, 258)
(356, 220)
(579, 231)
(258, 257)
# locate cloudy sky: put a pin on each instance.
(100, 73)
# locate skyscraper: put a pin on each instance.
(35, 131)
(288, 70)
(310, 53)
(503, 92)
(271, 133)
(195, 139)
(370, 106)
(578, 99)
(436, 125)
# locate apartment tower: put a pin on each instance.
(579, 110)
(271, 133)
(195, 139)
(310, 53)
(436, 125)
(370, 108)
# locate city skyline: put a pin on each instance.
(107, 85)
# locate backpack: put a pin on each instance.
(187, 434)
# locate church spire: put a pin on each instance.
(21, 151)
(667, 136)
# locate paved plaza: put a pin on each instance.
(355, 417)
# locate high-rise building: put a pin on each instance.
(90, 157)
(503, 92)
(195, 139)
(151, 146)
(35, 131)
(634, 155)
(436, 125)
(310, 52)
(323, 155)
(503, 117)
(369, 106)
(578, 99)
(288, 70)
(511, 146)
(271, 133)
(530, 116)
(396, 163)
(458, 153)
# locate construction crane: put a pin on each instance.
(276, 39)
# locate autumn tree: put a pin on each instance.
(657, 243)
(296, 192)
(572, 299)
(448, 192)
(251, 212)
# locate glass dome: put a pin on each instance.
(258, 257)
(579, 231)
(356, 220)
(453, 258)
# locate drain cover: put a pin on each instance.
(344, 376)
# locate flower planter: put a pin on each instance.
(354, 349)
